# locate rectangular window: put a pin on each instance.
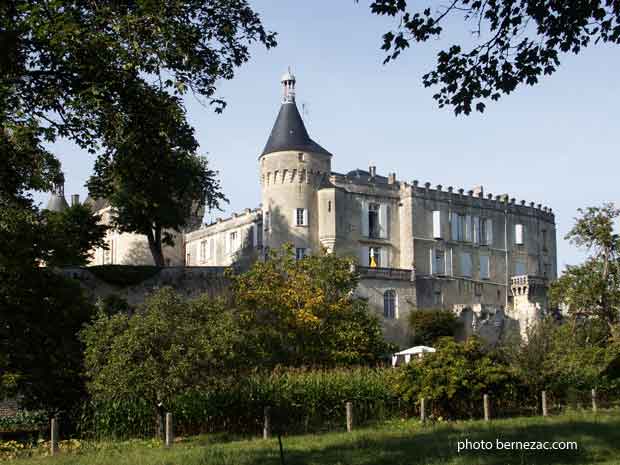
(544, 240)
(375, 254)
(454, 226)
(437, 224)
(212, 247)
(438, 262)
(373, 220)
(389, 304)
(485, 267)
(476, 229)
(300, 253)
(519, 234)
(301, 216)
(486, 231)
(520, 268)
(465, 264)
(469, 236)
(266, 221)
(233, 239)
(203, 251)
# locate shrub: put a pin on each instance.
(455, 378)
(429, 325)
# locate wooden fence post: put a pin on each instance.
(349, 407)
(267, 422)
(423, 410)
(54, 437)
(594, 407)
(169, 430)
(544, 403)
(487, 411)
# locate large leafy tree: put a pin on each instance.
(68, 63)
(515, 42)
(304, 312)
(592, 289)
(150, 171)
(169, 345)
(70, 69)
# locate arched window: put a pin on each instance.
(389, 304)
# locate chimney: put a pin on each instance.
(392, 178)
(372, 169)
(478, 191)
(75, 200)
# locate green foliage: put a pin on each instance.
(303, 312)
(150, 172)
(168, 346)
(515, 43)
(73, 234)
(41, 356)
(455, 378)
(300, 400)
(429, 325)
(124, 275)
(68, 63)
(592, 290)
(24, 421)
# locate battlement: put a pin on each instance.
(527, 285)
(476, 197)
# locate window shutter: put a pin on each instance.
(468, 228)
(254, 236)
(437, 224)
(383, 221)
(449, 262)
(364, 219)
(294, 217)
(454, 226)
(489, 231)
(364, 256)
(384, 257)
(519, 234)
(476, 220)
(432, 261)
(305, 217)
(485, 267)
(212, 247)
(227, 242)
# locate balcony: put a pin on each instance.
(398, 274)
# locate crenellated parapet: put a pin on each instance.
(528, 286)
(298, 175)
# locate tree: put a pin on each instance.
(66, 64)
(73, 234)
(516, 42)
(592, 289)
(150, 172)
(168, 346)
(455, 377)
(429, 325)
(303, 312)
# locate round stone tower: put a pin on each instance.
(292, 169)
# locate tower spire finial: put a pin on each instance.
(288, 86)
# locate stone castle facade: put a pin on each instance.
(487, 258)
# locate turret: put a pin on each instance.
(292, 169)
(57, 201)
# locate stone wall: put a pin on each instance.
(189, 281)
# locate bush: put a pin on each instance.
(124, 275)
(455, 378)
(429, 325)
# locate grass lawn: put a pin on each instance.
(402, 442)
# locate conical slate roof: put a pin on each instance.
(57, 203)
(289, 133)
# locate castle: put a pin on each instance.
(487, 258)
